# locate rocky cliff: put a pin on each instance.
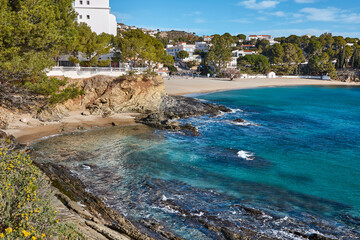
(105, 96)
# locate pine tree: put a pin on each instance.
(341, 60)
(355, 59)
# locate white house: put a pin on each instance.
(261, 37)
(173, 50)
(237, 54)
(96, 13)
(202, 46)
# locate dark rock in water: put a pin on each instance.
(253, 211)
(175, 107)
(159, 121)
(183, 107)
(315, 236)
(158, 228)
(239, 120)
(190, 129)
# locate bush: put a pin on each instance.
(51, 87)
(25, 201)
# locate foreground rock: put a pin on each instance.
(96, 214)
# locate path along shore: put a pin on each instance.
(32, 129)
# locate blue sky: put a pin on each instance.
(275, 17)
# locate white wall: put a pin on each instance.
(96, 15)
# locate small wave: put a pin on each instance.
(236, 110)
(164, 198)
(244, 123)
(248, 156)
(200, 214)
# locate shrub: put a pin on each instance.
(25, 201)
(51, 87)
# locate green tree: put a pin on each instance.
(220, 52)
(32, 34)
(341, 59)
(275, 53)
(91, 46)
(257, 63)
(182, 54)
(293, 56)
(241, 36)
(322, 65)
(355, 59)
(140, 49)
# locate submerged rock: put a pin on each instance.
(239, 120)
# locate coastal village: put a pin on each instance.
(190, 52)
(117, 132)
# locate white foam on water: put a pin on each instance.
(198, 214)
(248, 156)
(164, 198)
(236, 110)
(282, 234)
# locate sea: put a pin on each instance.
(291, 169)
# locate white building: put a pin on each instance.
(173, 50)
(202, 46)
(96, 14)
(237, 54)
(261, 37)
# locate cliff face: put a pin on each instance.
(105, 96)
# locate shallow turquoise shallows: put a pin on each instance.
(296, 157)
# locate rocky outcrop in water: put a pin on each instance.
(176, 107)
(183, 107)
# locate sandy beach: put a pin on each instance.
(183, 86)
(32, 129)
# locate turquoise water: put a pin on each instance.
(296, 158)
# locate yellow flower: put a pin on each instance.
(8, 230)
(2, 235)
(25, 233)
(33, 238)
(43, 235)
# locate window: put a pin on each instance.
(88, 16)
(80, 16)
(88, 2)
(81, 2)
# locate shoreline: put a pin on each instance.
(187, 86)
(26, 129)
